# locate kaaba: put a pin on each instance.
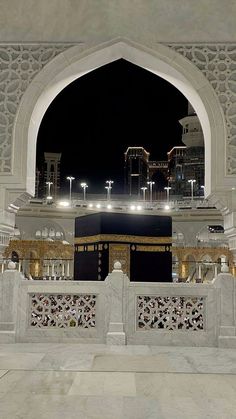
(142, 243)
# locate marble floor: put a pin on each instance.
(67, 381)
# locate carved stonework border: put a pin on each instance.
(218, 64)
(20, 63)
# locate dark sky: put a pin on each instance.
(95, 119)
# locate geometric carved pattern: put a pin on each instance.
(19, 64)
(218, 64)
(63, 311)
(170, 313)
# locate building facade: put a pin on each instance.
(136, 170)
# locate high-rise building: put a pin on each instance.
(187, 162)
(52, 173)
(176, 175)
(136, 169)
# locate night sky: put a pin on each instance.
(95, 119)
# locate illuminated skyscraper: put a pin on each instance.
(136, 169)
(52, 172)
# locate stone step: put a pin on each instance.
(7, 336)
(227, 341)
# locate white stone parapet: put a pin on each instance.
(118, 312)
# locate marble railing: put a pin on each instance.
(171, 313)
(61, 311)
(176, 313)
(117, 311)
(58, 310)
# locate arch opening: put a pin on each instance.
(71, 64)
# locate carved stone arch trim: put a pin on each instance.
(191, 255)
(72, 63)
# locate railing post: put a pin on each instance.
(9, 286)
(117, 283)
(227, 310)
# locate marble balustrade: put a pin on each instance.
(118, 312)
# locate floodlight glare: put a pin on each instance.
(63, 203)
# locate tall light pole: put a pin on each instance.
(144, 188)
(167, 189)
(150, 183)
(49, 189)
(203, 189)
(192, 181)
(84, 186)
(70, 178)
(109, 188)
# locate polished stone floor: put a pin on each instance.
(68, 381)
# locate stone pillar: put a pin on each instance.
(68, 269)
(117, 284)
(199, 271)
(227, 310)
(62, 269)
(215, 270)
(9, 286)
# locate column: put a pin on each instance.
(199, 271)
(52, 268)
(68, 269)
(9, 284)
(62, 269)
(117, 284)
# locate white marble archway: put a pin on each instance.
(73, 63)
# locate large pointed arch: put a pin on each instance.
(72, 64)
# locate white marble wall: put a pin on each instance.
(116, 311)
(27, 333)
(206, 337)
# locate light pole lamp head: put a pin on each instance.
(70, 178)
(84, 185)
(110, 182)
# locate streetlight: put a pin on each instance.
(167, 189)
(150, 183)
(203, 188)
(192, 181)
(49, 189)
(70, 178)
(84, 186)
(144, 188)
(109, 188)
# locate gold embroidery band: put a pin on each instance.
(123, 239)
(152, 248)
